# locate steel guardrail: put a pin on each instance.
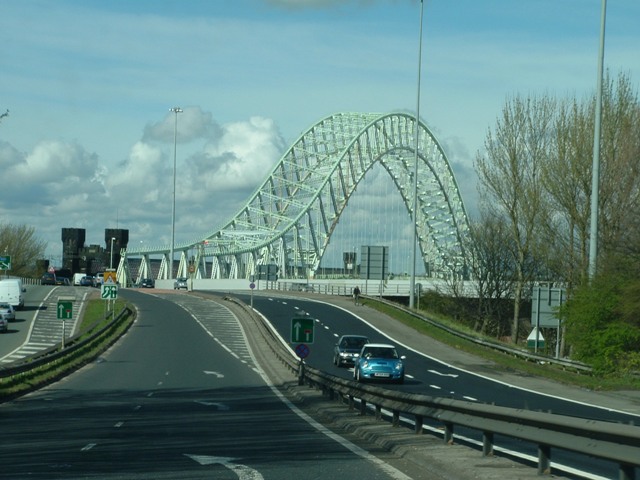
(614, 442)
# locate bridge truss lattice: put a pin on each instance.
(289, 220)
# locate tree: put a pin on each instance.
(510, 175)
(600, 330)
(567, 177)
(492, 268)
(620, 162)
(20, 242)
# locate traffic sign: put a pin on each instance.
(302, 351)
(65, 309)
(109, 291)
(302, 330)
(5, 262)
(109, 276)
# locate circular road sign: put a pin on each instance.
(302, 351)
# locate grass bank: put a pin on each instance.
(97, 331)
(507, 363)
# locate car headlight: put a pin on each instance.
(399, 366)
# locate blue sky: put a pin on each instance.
(89, 138)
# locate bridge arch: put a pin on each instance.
(289, 220)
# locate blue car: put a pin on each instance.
(379, 361)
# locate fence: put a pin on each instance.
(617, 443)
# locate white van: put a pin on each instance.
(77, 277)
(11, 291)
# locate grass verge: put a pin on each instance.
(97, 330)
(507, 362)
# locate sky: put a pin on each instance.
(88, 85)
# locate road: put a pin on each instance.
(175, 399)
(37, 326)
(184, 371)
(427, 375)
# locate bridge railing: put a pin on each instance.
(617, 443)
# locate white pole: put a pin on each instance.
(176, 111)
(595, 169)
(412, 282)
(111, 254)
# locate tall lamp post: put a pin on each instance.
(595, 168)
(412, 281)
(176, 111)
(111, 254)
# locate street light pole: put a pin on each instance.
(111, 254)
(176, 111)
(595, 168)
(412, 281)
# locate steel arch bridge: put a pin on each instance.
(289, 220)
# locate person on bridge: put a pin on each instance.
(356, 295)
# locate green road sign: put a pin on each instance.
(5, 262)
(65, 309)
(302, 330)
(109, 291)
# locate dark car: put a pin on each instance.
(48, 279)
(181, 282)
(63, 281)
(87, 281)
(347, 350)
(147, 283)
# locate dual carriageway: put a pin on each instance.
(450, 376)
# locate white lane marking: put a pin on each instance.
(217, 374)
(119, 424)
(436, 387)
(452, 375)
(471, 399)
(385, 467)
(88, 447)
(221, 406)
(469, 372)
(242, 471)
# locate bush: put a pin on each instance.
(597, 331)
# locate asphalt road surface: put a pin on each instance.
(176, 399)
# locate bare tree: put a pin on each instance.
(21, 244)
(510, 177)
(620, 162)
(567, 177)
(492, 268)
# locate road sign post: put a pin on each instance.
(302, 330)
(5, 262)
(64, 311)
(108, 291)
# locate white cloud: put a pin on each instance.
(89, 139)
